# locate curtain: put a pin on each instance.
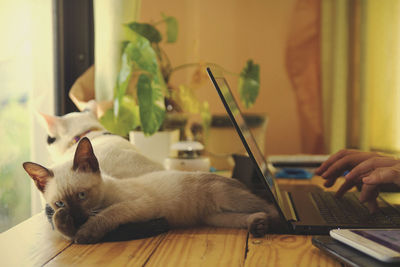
(335, 54)
(304, 71)
(381, 76)
(361, 84)
(359, 91)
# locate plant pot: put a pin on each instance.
(223, 140)
(156, 146)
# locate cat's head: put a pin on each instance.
(76, 187)
(64, 131)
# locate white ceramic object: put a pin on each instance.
(196, 164)
(156, 146)
(188, 157)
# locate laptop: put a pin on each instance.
(305, 209)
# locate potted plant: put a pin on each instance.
(144, 98)
(143, 93)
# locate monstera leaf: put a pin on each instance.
(249, 83)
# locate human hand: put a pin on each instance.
(378, 167)
(377, 177)
(344, 160)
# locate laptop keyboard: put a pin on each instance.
(349, 210)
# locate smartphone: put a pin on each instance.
(382, 244)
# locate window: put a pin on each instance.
(45, 46)
(26, 82)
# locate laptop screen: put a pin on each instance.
(243, 130)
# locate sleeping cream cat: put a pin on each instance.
(117, 156)
(89, 203)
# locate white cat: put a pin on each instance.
(88, 203)
(117, 156)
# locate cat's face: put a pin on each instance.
(74, 186)
(63, 131)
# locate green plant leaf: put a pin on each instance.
(249, 83)
(205, 115)
(186, 99)
(127, 119)
(172, 28)
(123, 79)
(151, 103)
(138, 55)
(123, 45)
(117, 126)
(146, 30)
(142, 55)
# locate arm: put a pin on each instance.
(112, 217)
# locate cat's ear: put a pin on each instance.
(39, 174)
(49, 122)
(84, 159)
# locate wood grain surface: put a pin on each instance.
(201, 247)
(128, 253)
(31, 243)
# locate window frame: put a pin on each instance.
(74, 47)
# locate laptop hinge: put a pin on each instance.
(288, 208)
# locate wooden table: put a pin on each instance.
(33, 243)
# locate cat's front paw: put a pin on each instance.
(64, 223)
(258, 224)
(89, 233)
(87, 237)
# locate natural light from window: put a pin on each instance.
(15, 83)
(382, 74)
(26, 29)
